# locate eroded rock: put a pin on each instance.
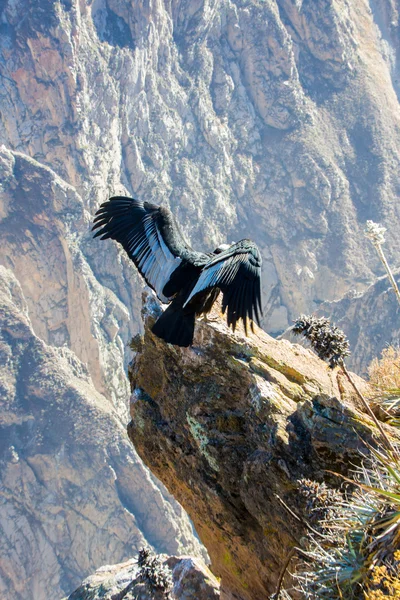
(73, 492)
(229, 426)
(192, 580)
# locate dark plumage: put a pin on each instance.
(189, 281)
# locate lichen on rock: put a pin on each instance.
(230, 425)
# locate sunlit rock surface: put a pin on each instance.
(42, 219)
(230, 426)
(192, 580)
(275, 119)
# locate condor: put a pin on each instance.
(188, 281)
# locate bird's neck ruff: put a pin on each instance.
(221, 248)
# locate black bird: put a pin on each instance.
(188, 281)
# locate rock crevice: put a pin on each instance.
(229, 426)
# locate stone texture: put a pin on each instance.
(73, 492)
(192, 580)
(229, 426)
(370, 319)
(42, 219)
(277, 118)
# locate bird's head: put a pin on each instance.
(221, 248)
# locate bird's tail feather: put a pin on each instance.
(175, 326)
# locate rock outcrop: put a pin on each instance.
(229, 426)
(73, 492)
(192, 580)
(370, 319)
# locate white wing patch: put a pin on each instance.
(157, 263)
(222, 272)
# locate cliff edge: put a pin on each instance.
(229, 426)
(74, 494)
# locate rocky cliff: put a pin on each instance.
(275, 119)
(43, 226)
(190, 579)
(371, 320)
(230, 426)
(74, 493)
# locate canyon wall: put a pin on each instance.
(74, 494)
(275, 120)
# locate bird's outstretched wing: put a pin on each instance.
(237, 273)
(149, 235)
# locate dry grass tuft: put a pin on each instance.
(384, 373)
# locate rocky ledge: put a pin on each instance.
(229, 426)
(190, 580)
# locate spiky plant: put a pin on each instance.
(331, 344)
(388, 401)
(156, 575)
(320, 500)
(330, 565)
(328, 341)
(356, 554)
(379, 487)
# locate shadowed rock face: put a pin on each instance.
(73, 492)
(230, 424)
